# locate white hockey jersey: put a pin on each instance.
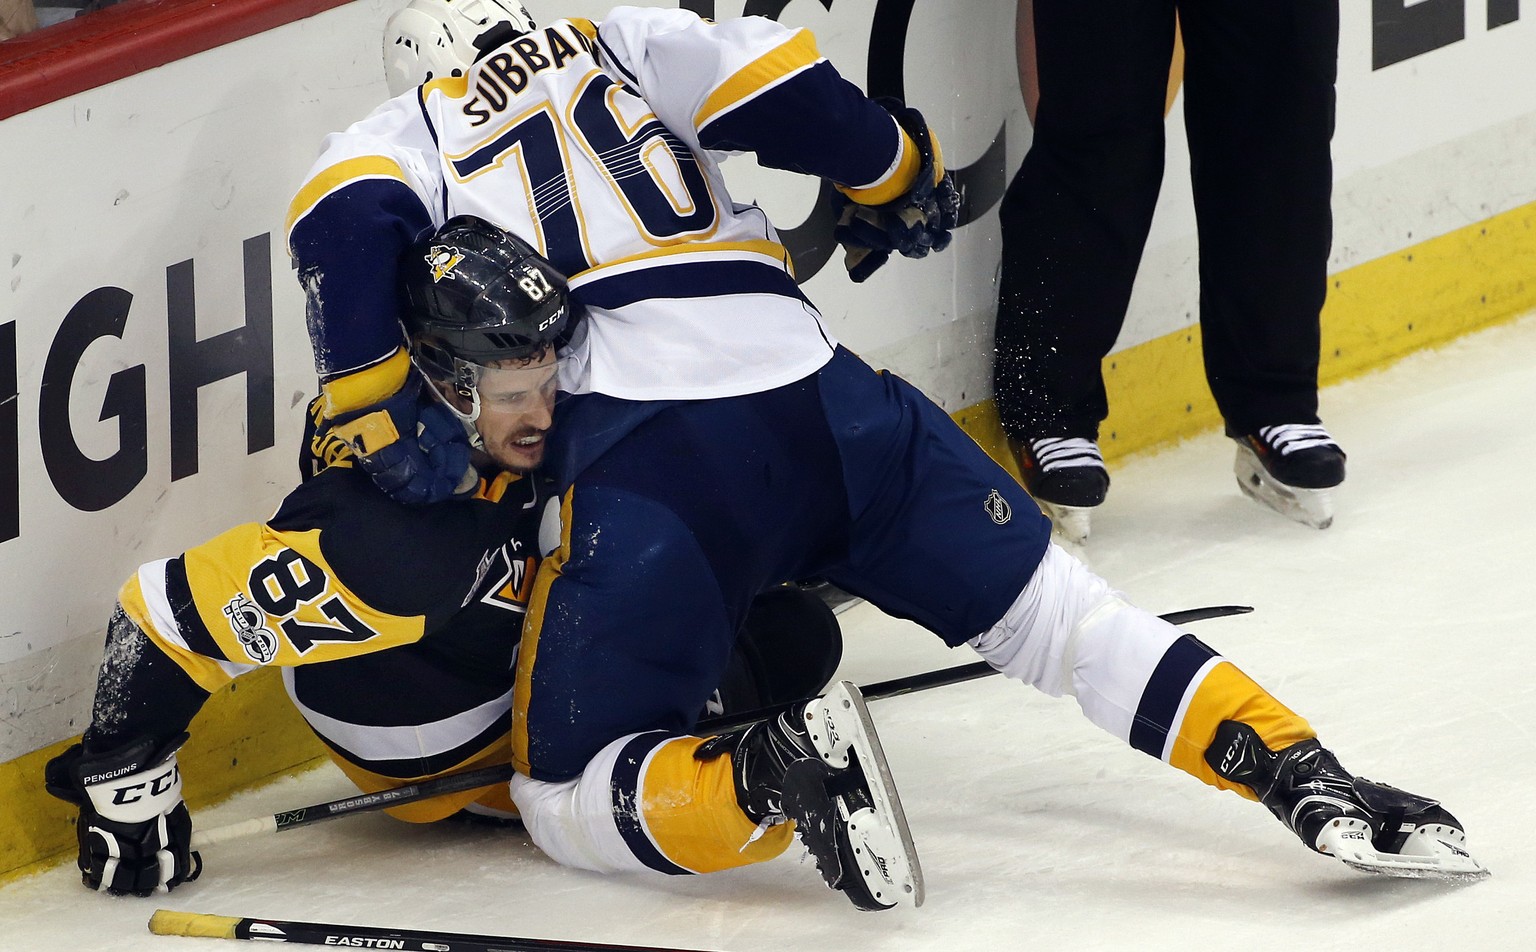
(599, 144)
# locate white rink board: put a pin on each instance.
(120, 187)
(194, 161)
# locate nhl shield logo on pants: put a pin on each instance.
(997, 507)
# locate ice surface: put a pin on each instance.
(1404, 632)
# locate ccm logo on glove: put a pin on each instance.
(155, 787)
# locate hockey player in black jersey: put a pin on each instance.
(396, 627)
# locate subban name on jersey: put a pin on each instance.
(503, 75)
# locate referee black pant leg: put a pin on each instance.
(1076, 216)
(1259, 110)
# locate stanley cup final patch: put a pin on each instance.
(997, 507)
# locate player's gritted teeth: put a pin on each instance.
(520, 452)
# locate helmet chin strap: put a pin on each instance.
(468, 419)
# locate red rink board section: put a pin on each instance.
(127, 38)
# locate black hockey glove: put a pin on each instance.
(415, 449)
(134, 830)
(914, 224)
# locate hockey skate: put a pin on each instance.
(1290, 468)
(1367, 826)
(820, 765)
(1067, 479)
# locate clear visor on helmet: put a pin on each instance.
(510, 387)
(525, 387)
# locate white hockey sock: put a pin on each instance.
(646, 802)
(572, 821)
(1069, 633)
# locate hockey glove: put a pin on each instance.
(914, 224)
(414, 448)
(134, 831)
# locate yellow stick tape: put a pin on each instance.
(198, 924)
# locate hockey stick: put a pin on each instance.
(502, 773)
(203, 925)
(896, 687)
(362, 803)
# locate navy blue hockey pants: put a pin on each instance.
(666, 537)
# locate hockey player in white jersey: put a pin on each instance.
(716, 427)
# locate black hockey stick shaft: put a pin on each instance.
(980, 669)
(201, 925)
(361, 803)
(937, 679)
(502, 773)
(410, 793)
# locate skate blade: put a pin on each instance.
(1070, 523)
(892, 872)
(1431, 852)
(1310, 507)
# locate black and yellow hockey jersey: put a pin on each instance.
(396, 627)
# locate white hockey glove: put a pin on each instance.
(134, 831)
(914, 224)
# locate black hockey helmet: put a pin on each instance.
(475, 295)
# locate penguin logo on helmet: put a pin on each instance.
(442, 259)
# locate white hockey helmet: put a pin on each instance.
(430, 39)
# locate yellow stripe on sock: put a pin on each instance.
(1227, 694)
(691, 812)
